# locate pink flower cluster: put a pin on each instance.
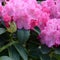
(50, 35)
(23, 12)
(28, 13)
(50, 32)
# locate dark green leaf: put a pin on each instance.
(57, 56)
(45, 57)
(23, 35)
(53, 58)
(5, 58)
(2, 30)
(57, 50)
(21, 51)
(44, 49)
(13, 53)
(35, 53)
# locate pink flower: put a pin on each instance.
(23, 22)
(34, 23)
(24, 12)
(1, 8)
(52, 7)
(50, 35)
(7, 13)
(44, 17)
(7, 19)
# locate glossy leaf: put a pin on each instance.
(13, 53)
(5, 58)
(23, 35)
(2, 30)
(21, 51)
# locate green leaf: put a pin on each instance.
(57, 50)
(2, 30)
(44, 49)
(13, 53)
(57, 56)
(5, 58)
(21, 51)
(23, 35)
(35, 53)
(45, 57)
(53, 58)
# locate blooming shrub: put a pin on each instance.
(29, 30)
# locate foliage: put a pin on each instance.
(13, 47)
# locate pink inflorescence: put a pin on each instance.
(50, 35)
(21, 11)
(28, 13)
(50, 32)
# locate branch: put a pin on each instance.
(8, 45)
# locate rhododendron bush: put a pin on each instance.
(29, 30)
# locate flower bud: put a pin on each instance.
(12, 27)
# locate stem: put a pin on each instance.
(8, 45)
(36, 31)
